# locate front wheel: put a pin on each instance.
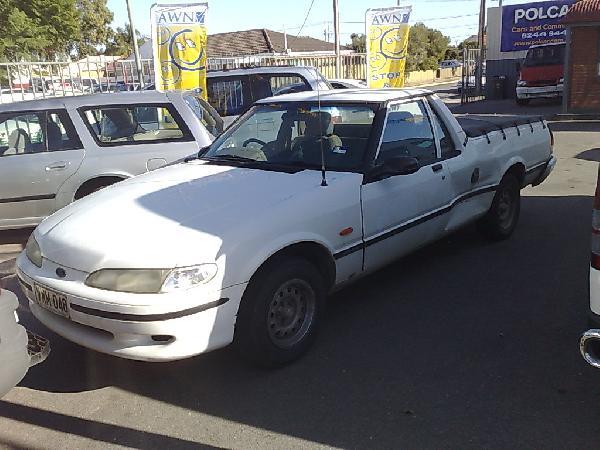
(280, 312)
(501, 220)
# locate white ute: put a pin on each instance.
(244, 243)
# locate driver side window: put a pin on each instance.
(408, 132)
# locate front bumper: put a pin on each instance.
(524, 92)
(163, 330)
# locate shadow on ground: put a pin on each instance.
(464, 344)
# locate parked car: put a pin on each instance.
(347, 83)
(19, 349)
(232, 91)
(57, 150)
(243, 243)
(589, 344)
(469, 83)
(450, 64)
(542, 73)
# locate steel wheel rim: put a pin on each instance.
(291, 313)
(506, 208)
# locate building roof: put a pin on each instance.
(261, 40)
(584, 11)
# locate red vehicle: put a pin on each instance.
(542, 73)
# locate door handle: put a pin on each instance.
(437, 167)
(60, 165)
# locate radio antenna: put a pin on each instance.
(323, 177)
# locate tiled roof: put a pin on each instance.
(584, 11)
(248, 42)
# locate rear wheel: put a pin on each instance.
(280, 312)
(502, 218)
(92, 186)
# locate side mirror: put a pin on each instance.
(398, 165)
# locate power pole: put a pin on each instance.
(136, 50)
(481, 44)
(336, 33)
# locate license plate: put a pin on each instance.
(52, 301)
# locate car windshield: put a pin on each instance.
(299, 134)
(545, 56)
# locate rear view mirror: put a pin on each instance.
(397, 165)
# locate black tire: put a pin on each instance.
(500, 221)
(522, 101)
(280, 312)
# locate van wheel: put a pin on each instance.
(522, 101)
(280, 312)
(502, 218)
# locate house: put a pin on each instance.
(258, 42)
(582, 62)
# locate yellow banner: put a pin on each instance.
(179, 46)
(387, 46)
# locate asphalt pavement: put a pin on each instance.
(464, 344)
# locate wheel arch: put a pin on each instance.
(97, 181)
(516, 168)
(314, 252)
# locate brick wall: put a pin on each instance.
(584, 78)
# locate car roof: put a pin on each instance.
(259, 69)
(76, 101)
(349, 95)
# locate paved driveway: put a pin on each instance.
(465, 344)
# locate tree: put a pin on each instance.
(426, 48)
(452, 53)
(95, 18)
(359, 42)
(38, 29)
(119, 43)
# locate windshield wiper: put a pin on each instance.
(233, 158)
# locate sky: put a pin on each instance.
(457, 19)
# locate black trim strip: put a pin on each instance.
(407, 225)
(27, 199)
(147, 317)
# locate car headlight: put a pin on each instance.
(521, 83)
(188, 277)
(151, 281)
(33, 251)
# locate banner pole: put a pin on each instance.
(136, 50)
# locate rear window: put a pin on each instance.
(228, 96)
(545, 56)
(140, 124)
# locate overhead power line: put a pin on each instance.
(306, 17)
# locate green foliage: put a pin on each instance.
(119, 42)
(452, 53)
(52, 29)
(95, 19)
(426, 48)
(359, 42)
(467, 43)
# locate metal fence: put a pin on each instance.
(33, 80)
(473, 75)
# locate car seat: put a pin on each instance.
(18, 140)
(316, 134)
(54, 135)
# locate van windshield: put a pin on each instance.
(550, 55)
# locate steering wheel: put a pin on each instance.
(251, 140)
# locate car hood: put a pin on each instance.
(172, 217)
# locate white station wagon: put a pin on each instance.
(56, 150)
(244, 243)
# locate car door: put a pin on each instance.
(39, 150)
(130, 139)
(403, 212)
